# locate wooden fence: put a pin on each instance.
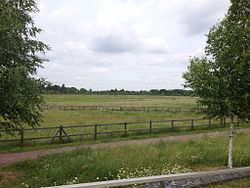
(121, 108)
(94, 130)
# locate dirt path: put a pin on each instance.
(9, 158)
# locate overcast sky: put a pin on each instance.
(129, 44)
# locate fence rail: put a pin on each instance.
(121, 108)
(94, 130)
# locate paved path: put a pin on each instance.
(10, 158)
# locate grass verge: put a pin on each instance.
(87, 165)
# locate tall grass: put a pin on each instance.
(89, 165)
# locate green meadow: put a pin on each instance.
(56, 117)
(121, 100)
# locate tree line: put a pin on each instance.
(57, 89)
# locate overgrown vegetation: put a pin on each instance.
(88, 165)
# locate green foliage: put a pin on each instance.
(19, 59)
(211, 90)
(222, 79)
(56, 89)
(20, 98)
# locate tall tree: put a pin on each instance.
(222, 79)
(20, 56)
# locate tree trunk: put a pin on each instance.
(230, 147)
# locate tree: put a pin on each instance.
(20, 56)
(63, 89)
(222, 78)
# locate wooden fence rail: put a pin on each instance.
(124, 128)
(121, 108)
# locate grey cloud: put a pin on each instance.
(113, 44)
(129, 43)
(198, 17)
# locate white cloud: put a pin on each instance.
(126, 44)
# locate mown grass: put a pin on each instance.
(164, 157)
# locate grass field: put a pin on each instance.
(121, 100)
(80, 117)
(57, 117)
(89, 165)
(83, 117)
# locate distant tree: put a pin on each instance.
(73, 90)
(63, 88)
(154, 92)
(222, 79)
(83, 90)
(57, 89)
(20, 91)
(163, 91)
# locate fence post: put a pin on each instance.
(209, 122)
(192, 124)
(95, 132)
(150, 126)
(60, 133)
(22, 136)
(125, 128)
(172, 125)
